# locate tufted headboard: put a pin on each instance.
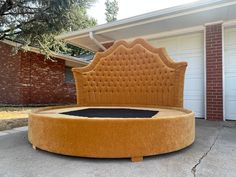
(131, 74)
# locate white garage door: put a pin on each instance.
(230, 73)
(188, 48)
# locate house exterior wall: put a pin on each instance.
(214, 71)
(9, 76)
(27, 78)
(214, 76)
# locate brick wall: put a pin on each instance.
(27, 78)
(9, 76)
(214, 84)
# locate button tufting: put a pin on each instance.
(137, 72)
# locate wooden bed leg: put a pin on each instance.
(137, 159)
(34, 147)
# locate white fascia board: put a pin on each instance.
(71, 58)
(14, 44)
(150, 17)
(62, 56)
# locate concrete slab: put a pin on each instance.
(3, 133)
(212, 154)
(11, 131)
(25, 128)
(221, 159)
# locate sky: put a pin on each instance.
(129, 8)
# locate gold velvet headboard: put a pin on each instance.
(131, 74)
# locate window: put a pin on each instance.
(69, 78)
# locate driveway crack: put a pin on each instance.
(194, 169)
(229, 126)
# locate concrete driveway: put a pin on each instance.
(212, 154)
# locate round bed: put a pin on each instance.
(129, 105)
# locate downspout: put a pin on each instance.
(91, 36)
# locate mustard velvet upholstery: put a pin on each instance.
(131, 74)
(127, 75)
(111, 138)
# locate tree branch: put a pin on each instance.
(5, 32)
(6, 6)
(17, 13)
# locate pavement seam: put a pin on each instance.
(194, 169)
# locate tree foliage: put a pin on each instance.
(36, 22)
(112, 9)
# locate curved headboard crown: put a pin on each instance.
(131, 74)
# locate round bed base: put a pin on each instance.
(170, 129)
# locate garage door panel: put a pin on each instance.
(231, 98)
(195, 67)
(198, 106)
(185, 53)
(190, 85)
(230, 73)
(190, 42)
(230, 85)
(229, 49)
(188, 48)
(230, 109)
(230, 64)
(230, 37)
(194, 75)
(172, 46)
(193, 60)
(192, 96)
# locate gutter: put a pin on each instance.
(56, 55)
(91, 36)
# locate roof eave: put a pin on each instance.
(56, 55)
(156, 14)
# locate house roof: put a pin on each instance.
(184, 16)
(80, 61)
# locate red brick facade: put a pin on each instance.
(214, 80)
(26, 78)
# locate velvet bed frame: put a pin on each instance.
(127, 75)
(134, 74)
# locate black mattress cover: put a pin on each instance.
(112, 113)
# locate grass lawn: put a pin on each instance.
(15, 112)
